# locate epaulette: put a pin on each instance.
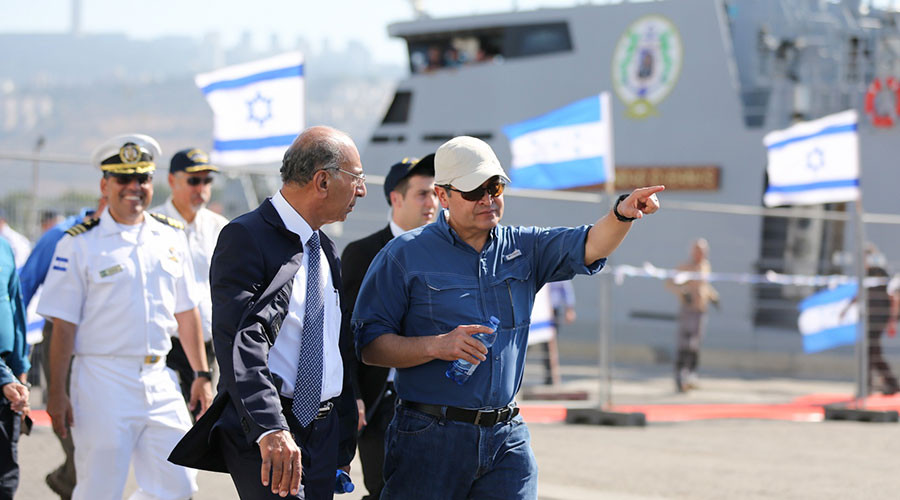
(83, 227)
(165, 219)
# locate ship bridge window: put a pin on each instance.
(435, 51)
(398, 112)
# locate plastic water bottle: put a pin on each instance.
(342, 482)
(460, 370)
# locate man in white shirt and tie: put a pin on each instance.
(285, 403)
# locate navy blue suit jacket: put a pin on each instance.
(251, 278)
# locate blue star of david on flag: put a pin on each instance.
(258, 109)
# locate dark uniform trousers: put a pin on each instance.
(318, 443)
(177, 360)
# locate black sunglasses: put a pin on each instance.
(196, 181)
(494, 189)
(126, 179)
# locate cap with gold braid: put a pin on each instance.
(127, 154)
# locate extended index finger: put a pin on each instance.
(645, 192)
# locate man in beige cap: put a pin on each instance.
(431, 290)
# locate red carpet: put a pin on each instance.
(807, 408)
(803, 409)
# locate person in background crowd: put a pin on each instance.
(562, 298)
(117, 288)
(882, 311)
(409, 189)
(21, 247)
(191, 177)
(694, 295)
(49, 219)
(14, 366)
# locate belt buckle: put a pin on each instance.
(483, 413)
(324, 410)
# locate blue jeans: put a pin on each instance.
(436, 458)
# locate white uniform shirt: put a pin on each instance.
(202, 235)
(121, 287)
(285, 354)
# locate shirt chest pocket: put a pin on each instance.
(514, 293)
(173, 266)
(452, 301)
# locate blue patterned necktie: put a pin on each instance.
(308, 387)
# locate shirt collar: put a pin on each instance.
(396, 230)
(109, 226)
(293, 221)
(173, 212)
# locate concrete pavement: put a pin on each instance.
(698, 459)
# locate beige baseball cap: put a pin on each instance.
(465, 163)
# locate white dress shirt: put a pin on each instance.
(202, 235)
(121, 286)
(284, 356)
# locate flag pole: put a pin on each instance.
(862, 302)
(604, 359)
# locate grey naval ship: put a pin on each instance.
(695, 86)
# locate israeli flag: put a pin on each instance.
(257, 107)
(567, 147)
(814, 162)
(829, 319)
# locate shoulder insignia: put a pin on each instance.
(165, 219)
(83, 227)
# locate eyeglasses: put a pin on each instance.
(361, 178)
(196, 181)
(126, 179)
(494, 189)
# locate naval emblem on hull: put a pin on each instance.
(646, 64)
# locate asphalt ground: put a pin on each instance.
(696, 457)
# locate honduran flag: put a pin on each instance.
(567, 147)
(829, 318)
(257, 108)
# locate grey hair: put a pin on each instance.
(309, 154)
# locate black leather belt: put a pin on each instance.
(484, 418)
(324, 407)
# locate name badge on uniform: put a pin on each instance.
(109, 271)
(512, 255)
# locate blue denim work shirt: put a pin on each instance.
(428, 281)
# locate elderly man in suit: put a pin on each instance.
(285, 402)
(409, 189)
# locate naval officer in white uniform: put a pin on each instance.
(191, 178)
(117, 289)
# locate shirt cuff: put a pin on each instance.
(264, 434)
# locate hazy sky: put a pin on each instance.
(314, 20)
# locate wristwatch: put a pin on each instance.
(201, 374)
(616, 210)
